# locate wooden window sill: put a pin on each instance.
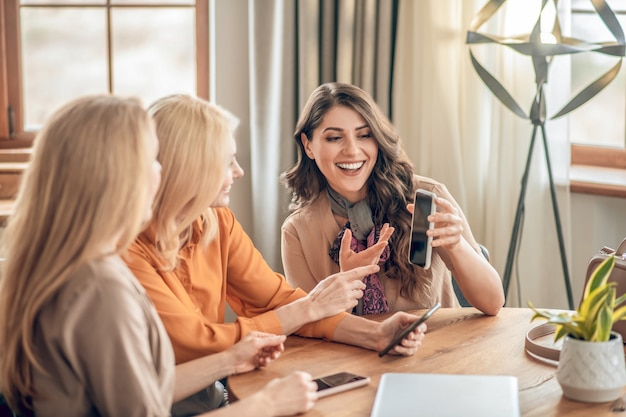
(22, 140)
(597, 180)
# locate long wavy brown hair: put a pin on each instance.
(389, 187)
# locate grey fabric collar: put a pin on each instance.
(359, 214)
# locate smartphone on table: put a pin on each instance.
(420, 250)
(404, 332)
(339, 382)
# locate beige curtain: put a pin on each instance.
(458, 133)
(272, 115)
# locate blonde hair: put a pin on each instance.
(194, 137)
(86, 185)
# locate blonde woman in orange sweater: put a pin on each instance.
(194, 258)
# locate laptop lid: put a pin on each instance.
(446, 395)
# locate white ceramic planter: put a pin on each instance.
(592, 371)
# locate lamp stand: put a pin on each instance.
(541, 52)
(520, 208)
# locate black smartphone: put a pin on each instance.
(404, 332)
(420, 250)
(342, 381)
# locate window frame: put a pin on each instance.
(598, 170)
(11, 71)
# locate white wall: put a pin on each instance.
(597, 221)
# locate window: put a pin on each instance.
(598, 130)
(52, 51)
(609, 105)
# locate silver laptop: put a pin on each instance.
(446, 395)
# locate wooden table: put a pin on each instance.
(459, 341)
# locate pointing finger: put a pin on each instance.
(361, 271)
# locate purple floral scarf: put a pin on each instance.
(374, 300)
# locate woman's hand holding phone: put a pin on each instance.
(448, 230)
(404, 333)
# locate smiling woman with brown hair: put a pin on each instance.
(353, 176)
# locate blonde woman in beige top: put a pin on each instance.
(353, 179)
(78, 335)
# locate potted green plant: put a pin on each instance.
(591, 365)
